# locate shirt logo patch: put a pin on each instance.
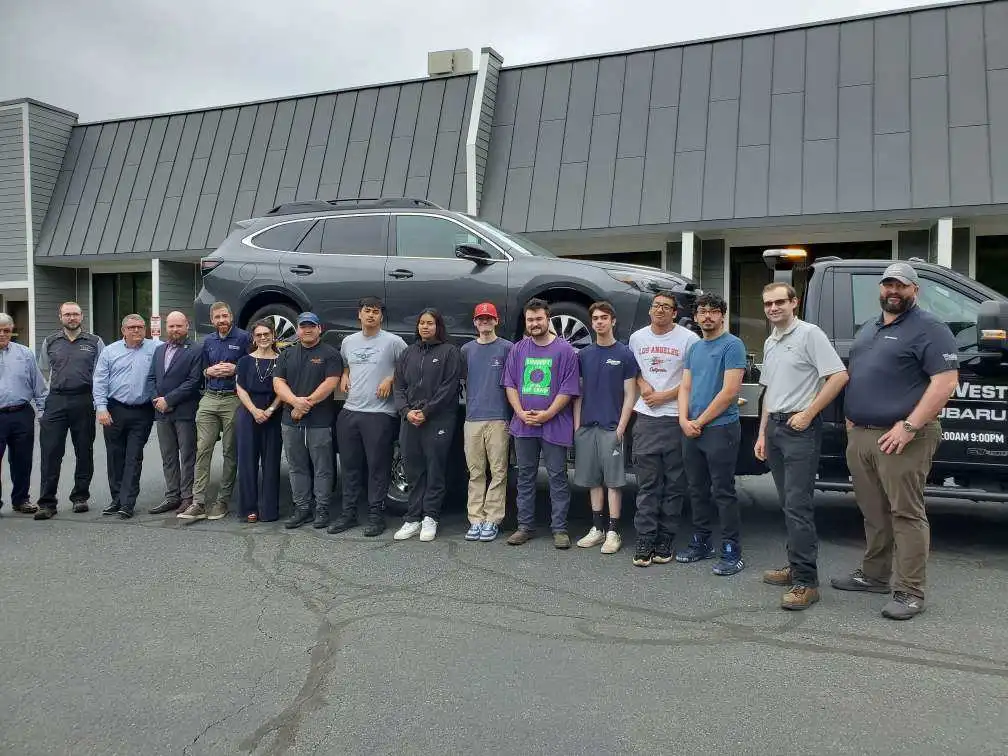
(434, 361)
(891, 338)
(316, 360)
(611, 361)
(950, 357)
(86, 348)
(496, 362)
(537, 377)
(234, 346)
(364, 355)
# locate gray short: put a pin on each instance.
(598, 458)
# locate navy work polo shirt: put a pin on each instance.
(230, 348)
(891, 366)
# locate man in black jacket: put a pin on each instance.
(174, 380)
(426, 392)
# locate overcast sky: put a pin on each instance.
(110, 58)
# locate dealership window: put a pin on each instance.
(116, 295)
(428, 236)
(992, 262)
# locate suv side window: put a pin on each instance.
(957, 310)
(283, 238)
(429, 236)
(350, 235)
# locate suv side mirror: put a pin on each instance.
(992, 331)
(471, 252)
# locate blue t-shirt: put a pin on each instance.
(483, 366)
(707, 362)
(603, 370)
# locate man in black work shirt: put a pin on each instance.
(307, 374)
(904, 367)
(67, 360)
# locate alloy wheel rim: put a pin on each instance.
(572, 330)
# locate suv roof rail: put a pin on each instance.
(347, 203)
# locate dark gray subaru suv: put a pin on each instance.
(324, 256)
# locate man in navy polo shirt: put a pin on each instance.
(903, 370)
(216, 414)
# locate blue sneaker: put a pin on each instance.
(698, 549)
(489, 531)
(730, 561)
(473, 534)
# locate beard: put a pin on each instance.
(895, 308)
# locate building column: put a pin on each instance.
(481, 117)
(943, 241)
(155, 313)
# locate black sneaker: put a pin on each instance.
(125, 514)
(45, 513)
(341, 523)
(111, 509)
(697, 550)
(80, 507)
(858, 581)
(644, 553)
(663, 553)
(903, 606)
(298, 518)
(375, 526)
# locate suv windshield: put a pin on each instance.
(515, 242)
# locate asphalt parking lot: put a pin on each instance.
(146, 637)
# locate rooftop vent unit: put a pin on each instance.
(449, 62)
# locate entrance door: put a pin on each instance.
(115, 296)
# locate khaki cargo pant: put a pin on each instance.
(486, 443)
(890, 493)
(215, 418)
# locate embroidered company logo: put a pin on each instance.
(434, 361)
(611, 361)
(316, 360)
(949, 357)
(441, 431)
(496, 362)
(235, 347)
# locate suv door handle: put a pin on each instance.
(401, 273)
(302, 270)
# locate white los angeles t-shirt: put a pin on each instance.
(661, 359)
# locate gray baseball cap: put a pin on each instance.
(902, 272)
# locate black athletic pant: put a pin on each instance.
(661, 476)
(425, 452)
(124, 445)
(365, 440)
(73, 412)
(17, 434)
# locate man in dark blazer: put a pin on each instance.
(175, 377)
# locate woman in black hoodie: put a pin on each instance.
(426, 391)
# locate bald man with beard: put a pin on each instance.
(174, 380)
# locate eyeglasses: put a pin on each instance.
(662, 307)
(264, 335)
(775, 303)
(702, 311)
(133, 327)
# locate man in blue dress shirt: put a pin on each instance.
(20, 384)
(122, 399)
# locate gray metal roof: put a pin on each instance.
(176, 182)
(808, 121)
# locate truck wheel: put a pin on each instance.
(571, 322)
(397, 498)
(283, 318)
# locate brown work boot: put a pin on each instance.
(799, 597)
(519, 537)
(780, 576)
(561, 540)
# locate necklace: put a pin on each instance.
(269, 370)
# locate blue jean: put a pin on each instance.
(527, 450)
(710, 469)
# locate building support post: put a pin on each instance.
(943, 232)
(687, 263)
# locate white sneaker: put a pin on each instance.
(428, 529)
(408, 530)
(593, 539)
(612, 542)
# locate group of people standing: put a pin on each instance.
(678, 391)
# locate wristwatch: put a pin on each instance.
(908, 427)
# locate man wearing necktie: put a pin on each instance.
(174, 382)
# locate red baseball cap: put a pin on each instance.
(486, 308)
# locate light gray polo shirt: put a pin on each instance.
(796, 363)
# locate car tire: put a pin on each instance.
(284, 319)
(571, 322)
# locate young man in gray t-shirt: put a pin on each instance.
(368, 423)
(486, 425)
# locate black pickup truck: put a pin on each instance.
(840, 296)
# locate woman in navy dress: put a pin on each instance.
(257, 429)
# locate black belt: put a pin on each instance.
(781, 417)
(71, 392)
(14, 408)
(130, 406)
(221, 392)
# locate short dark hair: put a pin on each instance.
(536, 304)
(370, 302)
(666, 294)
(440, 332)
(604, 306)
(712, 301)
(791, 293)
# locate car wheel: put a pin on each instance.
(284, 321)
(397, 498)
(571, 322)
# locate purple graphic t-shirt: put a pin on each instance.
(540, 373)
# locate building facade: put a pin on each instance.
(882, 136)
